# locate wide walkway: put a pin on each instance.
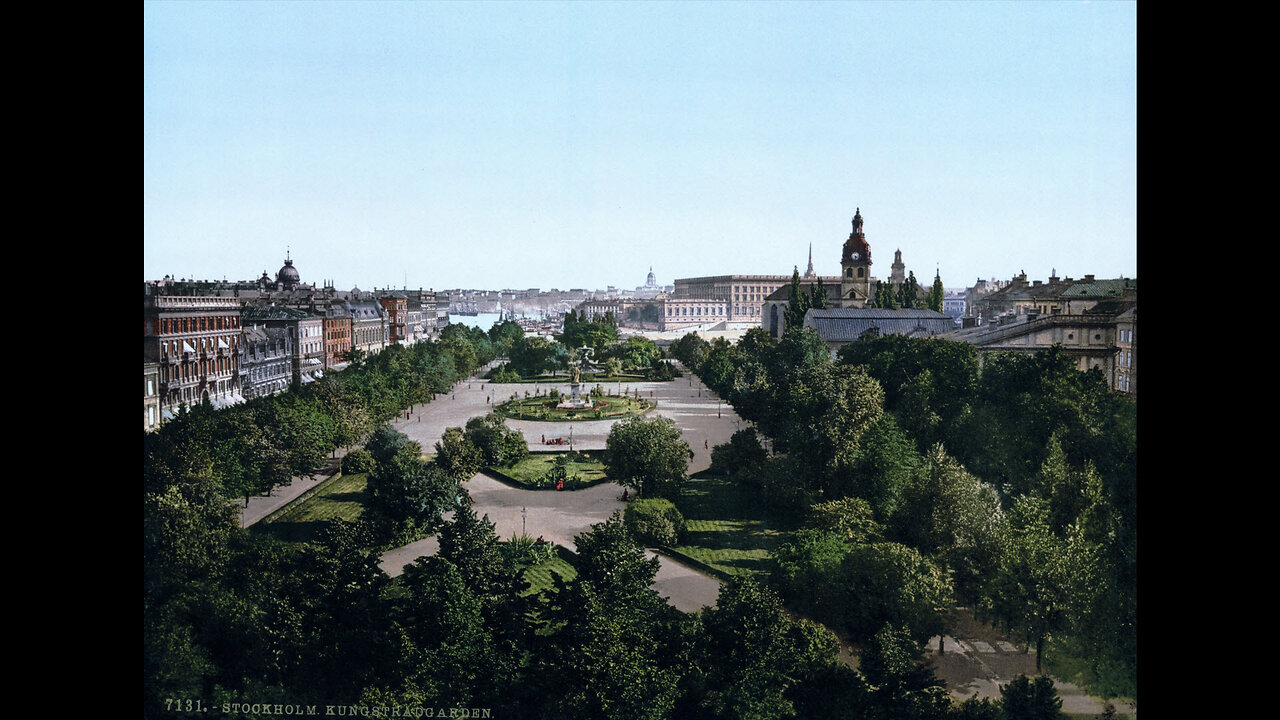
(559, 516)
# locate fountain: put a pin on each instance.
(576, 401)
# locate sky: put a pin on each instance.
(516, 145)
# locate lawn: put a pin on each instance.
(340, 497)
(728, 528)
(542, 407)
(528, 471)
(539, 576)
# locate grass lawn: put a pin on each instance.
(528, 471)
(539, 576)
(536, 408)
(339, 497)
(728, 528)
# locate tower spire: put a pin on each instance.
(809, 271)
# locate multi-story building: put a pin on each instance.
(397, 308)
(337, 336)
(1100, 337)
(442, 301)
(370, 332)
(840, 326)
(1126, 375)
(266, 360)
(1058, 296)
(730, 299)
(195, 341)
(306, 334)
(150, 395)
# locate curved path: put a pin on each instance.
(559, 516)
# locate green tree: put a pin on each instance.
(892, 583)
(604, 656)
(949, 514)
(880, 470)
(407, 488)
(504, 335)
(936, 294)
(900, 686)
(754, 653)
(798, 303)
(457, 455)
(532, 356)
(1042, 582)
(471, 544)
(1026, 699)
(909, 292)
(690, 350)
(850, 518)
(649, 456)
(654, 521)
(743, 451)
(498, 444)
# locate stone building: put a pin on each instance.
(736, 300)
(266, 360)
(855, 289)
(195, 342)
(370, 331)
(150, 395)
(1101, 336)
(306, 336)
(840, 326)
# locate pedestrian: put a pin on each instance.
(705, 445)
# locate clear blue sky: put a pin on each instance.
(539, 144)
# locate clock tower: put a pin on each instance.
(855, 267)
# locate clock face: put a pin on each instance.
(856, 256)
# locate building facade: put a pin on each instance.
(396, 306)
(266, 360)
(150, 395)
(195, 342)
(1101, 338)
(840, 326)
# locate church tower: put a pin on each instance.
(809, 272)
(855, 267)
(898, 271)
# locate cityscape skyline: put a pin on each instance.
(565, 145)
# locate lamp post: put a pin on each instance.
(523, 516)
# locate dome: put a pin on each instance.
(288, 275)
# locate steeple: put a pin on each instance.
(809, 271)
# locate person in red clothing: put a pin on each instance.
(559, 484)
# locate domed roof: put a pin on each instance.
(288, 275)
(856, 249)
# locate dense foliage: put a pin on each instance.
(648, 455)
(1008, 481)
(654, 521)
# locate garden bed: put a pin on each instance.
(542, 408)
(530, 472)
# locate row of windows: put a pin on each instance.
(191, 371)
(208, 345)
(683, 310)
(166, 326)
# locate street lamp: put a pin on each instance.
(524, 512)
